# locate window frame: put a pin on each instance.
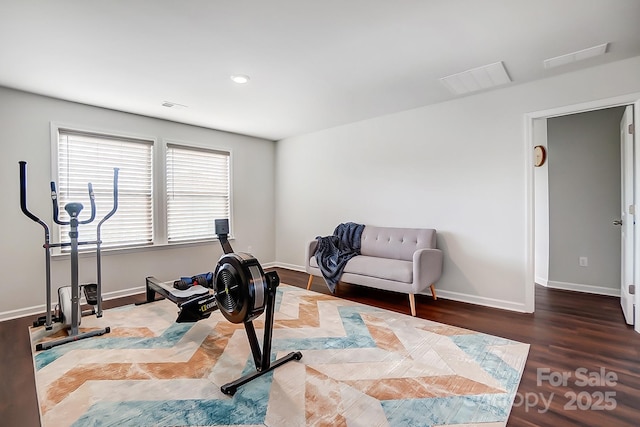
(159, 184)
(195, 147)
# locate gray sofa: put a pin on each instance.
(395, 259)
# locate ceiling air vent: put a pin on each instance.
(175, 105)
(476, 79)
(579, 55)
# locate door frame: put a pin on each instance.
(529, 142)
(627, 228)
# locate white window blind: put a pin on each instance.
(86, 157)
(197, 192)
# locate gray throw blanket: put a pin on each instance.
(335, 251)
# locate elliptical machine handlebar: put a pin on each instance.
(23, 193)
(54, 201)
(92, 200)
(25, 210)
(115, 197)
(99, 240)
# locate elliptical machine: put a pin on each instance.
(69, 296)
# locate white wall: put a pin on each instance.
(458, 166)
(25, 135)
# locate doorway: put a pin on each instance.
(536, 125)
(583, 189)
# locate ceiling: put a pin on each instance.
(313, 64)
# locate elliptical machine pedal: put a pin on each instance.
(91, 293)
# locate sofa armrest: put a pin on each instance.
(310, 251)
(427, 268)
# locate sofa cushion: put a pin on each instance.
(382, 268)
(396, 243)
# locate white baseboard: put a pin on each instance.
(541, 281)
(22, 312)
(478, 300)
(40, 309)
(444, 294)
(125, 293)
(293, 267)
(590, 289)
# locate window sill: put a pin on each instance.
(137, 249)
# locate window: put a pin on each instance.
(89, 157)
(174, 201)
(197, 192)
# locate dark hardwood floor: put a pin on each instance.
(572, 333)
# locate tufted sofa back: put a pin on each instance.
(396, 243)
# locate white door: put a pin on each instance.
(627, 215)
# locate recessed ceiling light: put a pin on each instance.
(240, 78)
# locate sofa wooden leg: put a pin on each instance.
(412, 303)
(309, 282)
(433, 291)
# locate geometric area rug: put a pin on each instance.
(360, 366)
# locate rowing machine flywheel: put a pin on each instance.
(240, 287)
